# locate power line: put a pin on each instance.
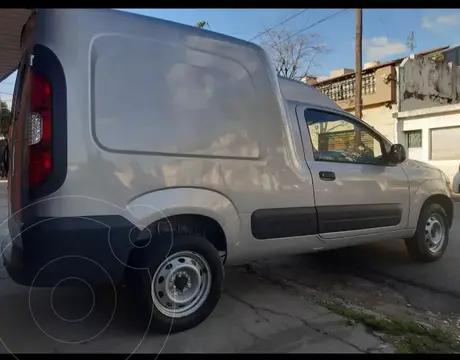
(236, 34)
(310, 26)
(279, 24)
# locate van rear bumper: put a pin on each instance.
(95, 249)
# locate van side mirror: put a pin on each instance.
(397, 154)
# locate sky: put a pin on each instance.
(385, 31)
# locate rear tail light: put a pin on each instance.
(39, 131)
(35, 128)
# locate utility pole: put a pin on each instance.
(358, 73)
(359, 63)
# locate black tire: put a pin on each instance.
(417, 246)
(165, 247)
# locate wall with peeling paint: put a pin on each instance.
(452, 55)
(425, 83)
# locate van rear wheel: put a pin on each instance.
(183, 283)
(432, 235)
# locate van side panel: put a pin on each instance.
(157, 96)
(141, 132)
(154, 105)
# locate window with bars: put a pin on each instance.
(345, 89)
(414, 139)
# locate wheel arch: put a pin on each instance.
(182, 208)
(444, 201)
(430, 191)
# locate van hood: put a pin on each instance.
(421, 163)
(425, 167)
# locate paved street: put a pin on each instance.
(391, 259)
(252, 315)
(434, 287)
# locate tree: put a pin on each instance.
(202, 24)
(294, 55)
(5, 118)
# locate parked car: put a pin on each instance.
(156, 153)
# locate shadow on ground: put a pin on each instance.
(252, 315)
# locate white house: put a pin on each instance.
(427, 122)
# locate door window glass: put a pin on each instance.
(338, 138)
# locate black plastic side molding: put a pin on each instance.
(284, 222)
(357, 217)
(301, 221)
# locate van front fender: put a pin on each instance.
(161, 204)
(430, 189)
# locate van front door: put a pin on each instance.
(356, 191)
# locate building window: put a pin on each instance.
(414, 139)
(444, 143)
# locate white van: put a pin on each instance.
(153, 153)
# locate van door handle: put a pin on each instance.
(327, 175)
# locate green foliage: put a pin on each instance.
(202, 24)
(407, 335)
(5, 118)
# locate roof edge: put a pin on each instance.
(7, 75)
(373, 68)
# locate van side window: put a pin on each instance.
(337, 138)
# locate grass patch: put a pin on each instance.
(407, 336)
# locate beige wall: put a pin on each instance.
(381, 118)
(385, 92)
(378, 108)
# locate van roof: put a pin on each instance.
(293, 90)
(13, 20)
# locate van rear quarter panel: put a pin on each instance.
(154, 105)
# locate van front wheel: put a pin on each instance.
(183, 283)
(432, 235)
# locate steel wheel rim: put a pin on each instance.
(181, 284)
(435, 233)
